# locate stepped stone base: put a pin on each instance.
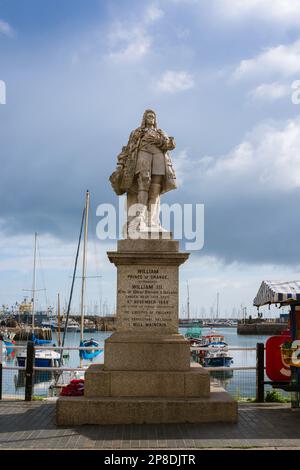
(74, 411)
(142, 351)
(105, 383)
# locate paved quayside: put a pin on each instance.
(31, 425)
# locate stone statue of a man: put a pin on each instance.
(144, 171)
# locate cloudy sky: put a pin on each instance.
(219, 73)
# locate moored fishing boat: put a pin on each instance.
(218, 358)
(72, 325)
(43, 358)
(210, 350)
(215, 338)
(89, 353)
(89, 326)
(194, 336)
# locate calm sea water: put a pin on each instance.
(238, 383)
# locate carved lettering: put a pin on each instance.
(148, 299)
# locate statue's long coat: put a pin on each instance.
(128, 158)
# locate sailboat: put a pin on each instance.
(43, 357)
(90, 343)
(194, 332)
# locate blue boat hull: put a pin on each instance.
(40, 342)
(89, 354)
(217, 361)
(37, 362)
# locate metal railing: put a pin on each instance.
(252, 375)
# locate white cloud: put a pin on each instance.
(270, 91)
(269, 158)
(281, 60)
(6, 29)
(129, 44)
(283, 12)
(173, 82)
(153, 13)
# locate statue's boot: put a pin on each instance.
(154, 206)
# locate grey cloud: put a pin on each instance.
(65, 123)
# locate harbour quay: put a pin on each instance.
(31, 425)
(260, 327)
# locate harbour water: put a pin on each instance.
(238, 383)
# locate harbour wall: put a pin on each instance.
(107, 323)
(261, 328)
(25, 333)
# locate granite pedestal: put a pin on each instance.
(146, 376)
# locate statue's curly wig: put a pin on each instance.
(143, 125)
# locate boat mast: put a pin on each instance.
(217, 315)
(86, 210)
(72, 286)
(33, 281)
(188, 301)
(58, 320)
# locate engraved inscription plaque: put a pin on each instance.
(147, 298)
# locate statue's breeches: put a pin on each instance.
(152, 163)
